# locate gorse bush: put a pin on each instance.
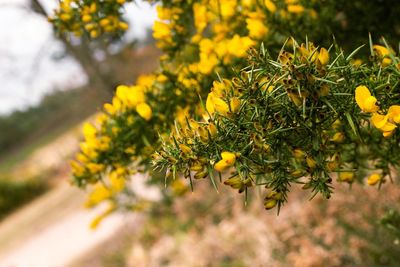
(242, 91)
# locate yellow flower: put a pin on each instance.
(200, 17)
(65, 16)
(394, 113)
(144, 111)
(270, 6)
(164, 13)
(256, 27)
(228, 160)
(130, 96)
(77, 169)
(95, 168)
(238, 46)
(123, 25)
(365, 100)
(216, 104)
(207, 63)
(227, 8)
(162, 31)
(323, 56)
(346, 177)
(383, 52)
(89, 131)
(296, 9)
(86, 18)
(356, 62)
(94, 34)
(381, 122)
(373, 179)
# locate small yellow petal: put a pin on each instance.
(379, 120)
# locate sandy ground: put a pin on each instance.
(43, 234)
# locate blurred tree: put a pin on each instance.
(103, 77)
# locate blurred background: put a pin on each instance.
(50, 85)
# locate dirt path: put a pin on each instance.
(53, 231)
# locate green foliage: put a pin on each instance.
(14, 194)
(295, 121)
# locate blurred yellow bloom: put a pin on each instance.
(373, 179)
(65, 16)
(144, 111)
(365, 100)
(238, 46)
(346, 177)
(130, 96)
(77, 169)
(207, 63)
(270, 5)
(200, 17)
(227, 8)
(256, 27)
(162, 31)
(123, 25)
(95, 168)
(296, 9)
(86, 18)
(163, 13)
(89, 131)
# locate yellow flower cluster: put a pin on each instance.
(386, 123)
(202, 40)
(79, 16)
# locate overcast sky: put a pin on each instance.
(26, 37)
